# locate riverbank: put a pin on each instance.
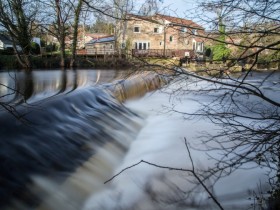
(198, 66)
(8, 62)
(52, 61)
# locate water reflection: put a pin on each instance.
(19, 87)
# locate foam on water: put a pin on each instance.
(161, 142)
(88, 136)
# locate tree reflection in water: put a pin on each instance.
(20, 87)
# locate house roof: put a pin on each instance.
(5, 39)
(173, 20)
(102, 39)
(141, 17)
(97, 35)
(179, 21)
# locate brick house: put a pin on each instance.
(161, 35)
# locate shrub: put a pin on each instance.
(35, 48)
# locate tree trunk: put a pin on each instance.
(24, 59)
(62, 53)
(60, 32)
(28, 62)
(75, 35)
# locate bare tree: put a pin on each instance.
(17, 17)
(150, 7)
(56, 21)
(193, 171)
(77, 12)
(245, 111)
(61, 27)
(115, 12)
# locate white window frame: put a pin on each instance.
(199, 46)
(136, 31)
(141, 44)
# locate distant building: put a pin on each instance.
(6, 43)
(83, 39)
(161, 35)
(101, 46)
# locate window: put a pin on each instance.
(156, 30)
(142, 45)
(136, 29)
(194, 46)
(171, 38)
(160, 43)
(199, 47)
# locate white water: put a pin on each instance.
(161, 142)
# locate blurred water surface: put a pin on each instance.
(17, 87)
(51, 123)
(65, 135)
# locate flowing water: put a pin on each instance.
(69, 133)
(63, 132)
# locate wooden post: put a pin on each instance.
(164, 41)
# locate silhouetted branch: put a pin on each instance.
(192, 171)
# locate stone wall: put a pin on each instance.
(174, 38)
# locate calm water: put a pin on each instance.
(18, 87)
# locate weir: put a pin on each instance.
(62, 148)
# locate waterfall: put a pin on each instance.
(62, 148)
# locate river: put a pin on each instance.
(18, 87)
(68, 135)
